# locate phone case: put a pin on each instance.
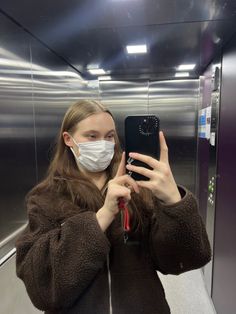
(142, 136)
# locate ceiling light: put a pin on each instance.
(104, 78)
(184, 67)
(182, 74)
(136, 48)
(97, 71)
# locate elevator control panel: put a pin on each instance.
(211, 190)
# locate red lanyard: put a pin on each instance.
(126, 219)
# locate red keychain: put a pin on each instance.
(126, 218)
(125, 211)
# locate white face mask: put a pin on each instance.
(94, 156)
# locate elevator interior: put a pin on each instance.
(53, 53)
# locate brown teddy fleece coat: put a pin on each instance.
(69, 265)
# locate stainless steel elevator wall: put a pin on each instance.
(36, 88)
(175, 102)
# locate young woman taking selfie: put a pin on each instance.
(81, 251)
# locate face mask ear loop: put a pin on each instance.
(73, 152)
(73, 139)
(71, 148)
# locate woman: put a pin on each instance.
(73, 256)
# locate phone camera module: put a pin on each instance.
(147, 126)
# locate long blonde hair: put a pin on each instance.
(63, 175)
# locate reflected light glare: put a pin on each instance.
(97, 71)
(104, 78)
(14, 63)
(182, 74)
(184, 67)
(136, 48)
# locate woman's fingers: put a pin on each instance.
(146, 184)
(122, 178)
(152, 162)
(141, 170)
(131, 183)
(121, 168)
(164, 149)
(127, 181)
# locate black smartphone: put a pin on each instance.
(141, 136)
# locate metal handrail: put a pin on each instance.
(9, 238)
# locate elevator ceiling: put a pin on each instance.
(94, 34)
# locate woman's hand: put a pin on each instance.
(119, 187)
(161, 183)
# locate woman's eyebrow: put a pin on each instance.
(96, 131)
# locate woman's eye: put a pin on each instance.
(92, 136)
(110, 136)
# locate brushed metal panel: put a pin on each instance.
(36, 88)
(78, 88)
(49, 98)
(55, 87)
(175, 102)
(17, 145)
(124, 98)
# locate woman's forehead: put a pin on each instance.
(99, 122)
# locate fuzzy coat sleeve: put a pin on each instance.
(57, 262)
(178, 238)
